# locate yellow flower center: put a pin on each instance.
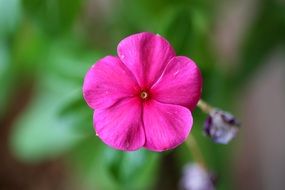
(144, 95)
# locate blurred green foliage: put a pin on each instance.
(50, 44)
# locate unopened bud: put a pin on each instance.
(195, 177)
(221, 126)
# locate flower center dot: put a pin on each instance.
(144, 95)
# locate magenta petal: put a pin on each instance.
(146, 55)
(121, 126)
(166, 125)
(180, 83)
(107, 82)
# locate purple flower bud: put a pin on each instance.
(221, 126)
(195, 177)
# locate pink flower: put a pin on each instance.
(143, 97)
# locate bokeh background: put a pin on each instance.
(46, 134)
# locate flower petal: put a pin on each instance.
(146, 55)
(166, 125)
(180, 83)
(107, 82)
(121, 126)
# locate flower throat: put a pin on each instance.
(144, 95)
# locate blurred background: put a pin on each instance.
(46, 133)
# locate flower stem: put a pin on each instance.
(195, 151)
(191, 143)
(205, 107)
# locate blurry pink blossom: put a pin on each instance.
(143, 97)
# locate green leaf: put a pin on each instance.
(187, 32)
(55, 16)
(104, 168)
(5, 76)
(40, 134)
(49, 126)
(10, 13)
(131, 170)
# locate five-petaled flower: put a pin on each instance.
(143, 97)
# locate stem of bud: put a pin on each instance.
(205, 107)
(195, 151)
